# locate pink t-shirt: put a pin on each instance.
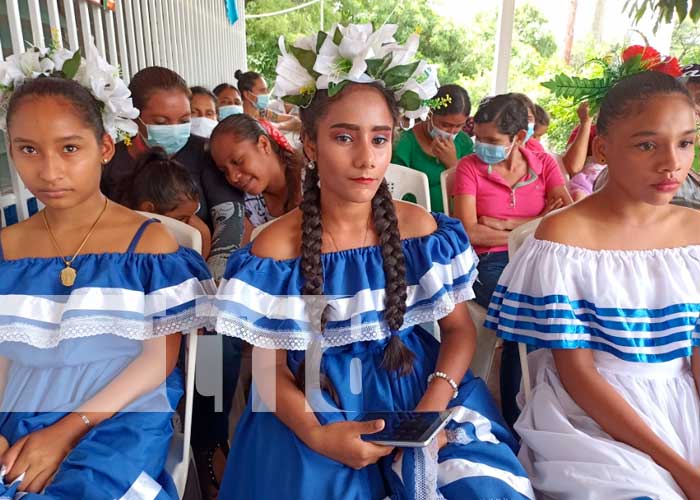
(495, 198)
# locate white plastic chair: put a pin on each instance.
(403, 180)
(486, 340)
(447, 179)
(258, 229)
(515, 240)
(178, 462)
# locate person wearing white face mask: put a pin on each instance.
(439, 142)
(204, 106)
(498, 188)
(256, 99)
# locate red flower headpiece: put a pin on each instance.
(634, 59)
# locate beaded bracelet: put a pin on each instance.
(447, 379)
(85, 420)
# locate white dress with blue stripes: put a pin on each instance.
(638, 311)
(260, 301)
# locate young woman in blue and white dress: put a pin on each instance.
(92, 298)
(609, 287)
(385, 267)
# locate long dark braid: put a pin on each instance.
(312, 268)
(397, 357)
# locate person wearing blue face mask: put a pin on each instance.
(439, 142)
(163, 99)
(256, 99)
(230, 102)
(498, 188)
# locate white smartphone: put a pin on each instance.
(407, 429)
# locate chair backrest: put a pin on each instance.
(178, 460)
(515, 240)
(447, 179)
(258, 229)
(403, 181)
(184, 234)
(518, 236)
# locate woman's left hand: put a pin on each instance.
(445, 151)
(38, 456)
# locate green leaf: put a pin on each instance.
(71, 66)
(375, 67)
(695, 11)
(399, 74)
(410, 101)
(681, 9)
(301, 100)
(337, 36)
(322, 35)
(335, 88)
(305, 57)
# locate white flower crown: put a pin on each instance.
(356, 53)
(92, 72)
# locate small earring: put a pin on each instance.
(311, 165)
(603, 160)
(104, 161)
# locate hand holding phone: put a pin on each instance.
(410, 429)
(341, 441)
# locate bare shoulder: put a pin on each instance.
(156, 237)
(280, 240)
(414, 220)
(558, 225)
(687, 225)
(13, 238)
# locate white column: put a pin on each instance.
(35, 20)
(71, 26)
(15, 27)
(504, 40)
(125, 65)
(54, 21)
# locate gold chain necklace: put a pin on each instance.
(68, 273)
(364, 240)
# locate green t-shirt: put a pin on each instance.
(409, 154)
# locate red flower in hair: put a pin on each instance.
(649, 54)
(670, 66)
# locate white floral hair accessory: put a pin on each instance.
(92, 72)
(356, 53)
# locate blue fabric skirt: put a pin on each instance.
(113, 458)
(267, 460)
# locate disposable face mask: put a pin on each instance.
(490, 153)
(172, 138)
(530, 130)
(203, 127)
(436, 132)
(262, 101)
(231, 109)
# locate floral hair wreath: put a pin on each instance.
(92, 72)
(356, 53)
(634, 59)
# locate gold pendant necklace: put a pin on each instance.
(68, 274)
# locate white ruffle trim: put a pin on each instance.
(294, 340)
(89, 326)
